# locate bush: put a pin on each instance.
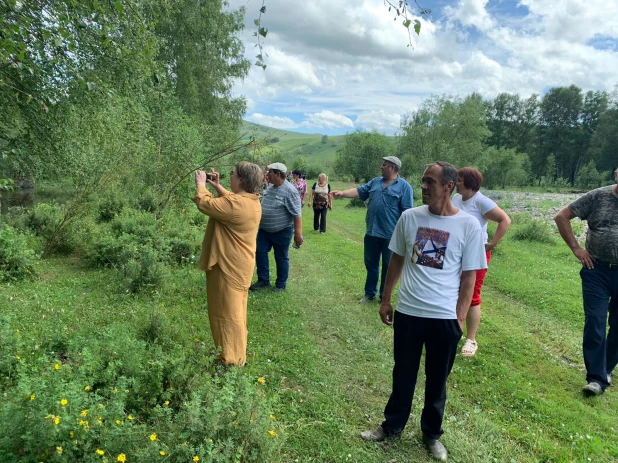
(17, 261)
(110, 206)
(44, 220)
(143, 271)
(113, 393)
(356, 202)
(530, 229)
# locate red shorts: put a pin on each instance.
(478, 284)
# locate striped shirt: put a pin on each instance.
(280, 206)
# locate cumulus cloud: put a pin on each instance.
(326, 119)
(273, 121)
(471, 13)
(381, 121)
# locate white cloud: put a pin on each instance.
(331, 63)
(326, 119)
(381, 121)
(273, 121)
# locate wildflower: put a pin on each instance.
(122, 458)
(99, 420)
(59, 449)
(115, 390)
(32, 396)
(130, 417)
(83, 423)
(63, 402)
(251, 421)
(166, 403)
(71, 434)
(196, 458)
(261, 380)
(126, 391)
(272, 417)
(272, 433)
(87, 388)
(118, 421)
(100, 452)
(57, 366)
(56, 419)
(153, 437)
(18, 357)
(84, 413)
(162, 453)
(196, 340)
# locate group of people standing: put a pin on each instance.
(439, 251)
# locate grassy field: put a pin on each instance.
(328, 359)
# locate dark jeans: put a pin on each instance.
(600, 293)
(374, 249)
(280, 243)
(440, 338)
(319, 219)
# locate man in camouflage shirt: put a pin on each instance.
(599, 276)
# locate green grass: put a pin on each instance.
(329, 359)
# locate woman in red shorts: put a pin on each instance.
(472, 201)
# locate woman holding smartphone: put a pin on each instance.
(228, 253)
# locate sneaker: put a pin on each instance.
(367, 299)
(609, 379)
(592, 388)
(279, 290)
(376, 435)
(259, 285)
(435, 447)
(321, 233)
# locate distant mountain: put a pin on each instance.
(317, 149)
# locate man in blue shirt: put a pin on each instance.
(389, 195)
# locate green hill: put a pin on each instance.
(311, 147)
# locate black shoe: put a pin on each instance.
(435, 447)
(279, 290)
(260, 284)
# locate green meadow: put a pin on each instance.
(319, 364)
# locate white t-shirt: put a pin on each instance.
(477, 206)
(436, 250)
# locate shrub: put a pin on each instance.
(110, 206)
(17, 261)
(356, 202)
(147, 202)
(143, 271)
(115, 394)
(43, 219)
(530, 229)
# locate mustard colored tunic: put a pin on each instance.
(228, 258)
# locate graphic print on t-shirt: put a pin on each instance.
(430, 247)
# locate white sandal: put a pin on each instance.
(469, 348)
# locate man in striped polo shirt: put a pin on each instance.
(281, 219)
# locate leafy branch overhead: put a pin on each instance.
(400, 8)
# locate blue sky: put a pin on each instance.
(333, 68)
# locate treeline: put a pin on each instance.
(565, 138)
(131, 93)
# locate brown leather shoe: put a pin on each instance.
(436, 449)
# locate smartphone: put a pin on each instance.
(295, 246)
(210, 176)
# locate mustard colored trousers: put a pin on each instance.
(227, 313)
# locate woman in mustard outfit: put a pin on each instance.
(228, 254)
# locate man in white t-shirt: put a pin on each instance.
(437, 250)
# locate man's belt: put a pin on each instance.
(602, 263)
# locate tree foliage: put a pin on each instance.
(361, 155)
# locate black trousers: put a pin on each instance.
(440, 338)
(319, 219)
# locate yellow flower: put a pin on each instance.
(83, 423)
(56, 420)
(18, 357)
(63, 402)
(251, 421)
(272, 433)
(100, 452)
(130, 417)
(87, 388)
(122, 458)
(196, 458)
(59, 449)
(118, 421)
(261, 380)
(116, 390)
(167, 402)
(100, 420)
(196, 340)
(162, 453)
(32, 396)
(71, 434)
(272, 417)
(153, 437)
(126, 391)
(57, 366)
(84, 413)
